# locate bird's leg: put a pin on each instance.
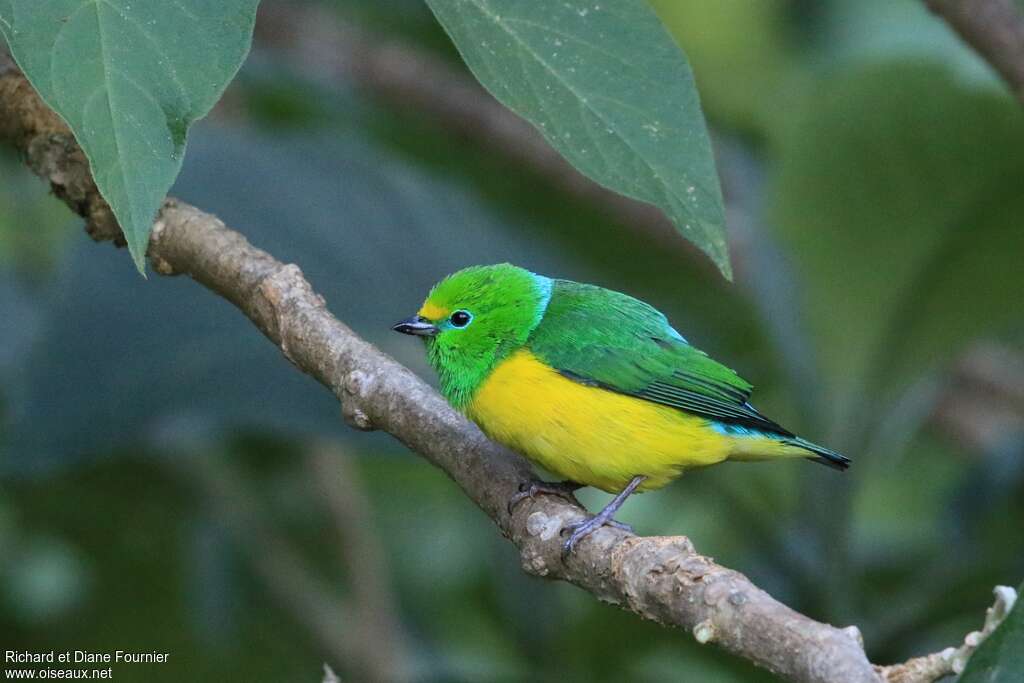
(581, 530)
(562, 489)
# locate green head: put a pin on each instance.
(473, 319)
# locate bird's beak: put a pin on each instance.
(416, 325)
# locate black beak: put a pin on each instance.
(416, 325)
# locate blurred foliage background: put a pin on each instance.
(168, 482)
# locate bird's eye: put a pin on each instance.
(460, 318)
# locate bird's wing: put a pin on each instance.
(607, 339)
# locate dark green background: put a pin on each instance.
(872, 171)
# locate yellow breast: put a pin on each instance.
(587, 434)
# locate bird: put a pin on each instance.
(590, 384)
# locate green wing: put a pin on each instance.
(603, 338)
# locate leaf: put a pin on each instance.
(609, 89)
(1000, 657)
(129, 77)
(902, 208)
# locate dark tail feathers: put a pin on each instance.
(823, 455)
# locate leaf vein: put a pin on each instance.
(164, 57)
(568, 86)
(118, 163)
(639, 74)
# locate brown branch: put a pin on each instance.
(659, 578)
(995, 29)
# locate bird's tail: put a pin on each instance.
(823, 455)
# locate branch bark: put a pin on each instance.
(659, 578)
(995, 29)
(663, 579)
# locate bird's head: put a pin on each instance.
(473, 319)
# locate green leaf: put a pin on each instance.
(129, 77)
(1000, 658)
(610, 90)
(901, 206)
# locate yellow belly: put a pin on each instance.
(594, 436)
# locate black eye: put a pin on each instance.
(460, 318)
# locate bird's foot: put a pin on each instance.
(562, 489)
(579, 530)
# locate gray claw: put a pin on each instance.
(562, 489)
(580, 530)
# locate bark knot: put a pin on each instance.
(354, 389)
(543, 526)
(277, 289)
(704, 632)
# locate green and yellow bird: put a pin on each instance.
(591, 384)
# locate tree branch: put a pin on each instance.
(952, 660)
(659, 578)
(662, 579)
(995, 29)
